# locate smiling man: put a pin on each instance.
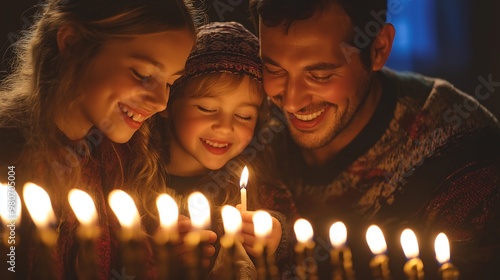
(366, 144)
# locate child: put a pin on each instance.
(89, 76)
(214, 112)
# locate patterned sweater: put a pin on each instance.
(428, 160)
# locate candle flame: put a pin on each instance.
(199, 210)
(244, 178)
(231, 218)
(338, 234)
(442, 248)
(168, 210)
(124, 208)
(263, 223)
(9, 198)
(376, 240)
(303, 230)
(38, 203)
(409, 243)
(83, 206)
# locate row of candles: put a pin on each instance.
(39, 207)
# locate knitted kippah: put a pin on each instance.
(226, 47)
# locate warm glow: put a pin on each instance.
(442, 248)
(6, 214)
(231, 218)
(199, 210)
(262, 223)
(83, 206)
(376, 240)
(303, 230)
(168, 211)
(244, 178)
(338, 234)
(38, 204)
(124, 208)
(409, 243)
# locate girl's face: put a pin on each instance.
(128, 81)
(210, 131)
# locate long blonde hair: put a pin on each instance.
(42, 82)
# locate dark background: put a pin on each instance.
(457, 40)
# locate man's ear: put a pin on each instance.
(66, 38)
(382, 46)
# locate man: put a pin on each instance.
(367, 145)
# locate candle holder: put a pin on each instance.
(340, 255)
(414, 269)
(448, 272)
(380, 267)
(342, 263)
(195, 261)
(44, 263)
(305, 268)
(87, 265)
(133, 253)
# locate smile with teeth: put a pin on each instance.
(214, 144)
(309, 117)
(134, 116)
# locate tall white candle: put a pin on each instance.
(243, 188)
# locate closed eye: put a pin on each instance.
(244, 118)
(140, 77)
(205, 110)
(273, 70)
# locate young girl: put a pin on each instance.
(215, 111)
(89, 75)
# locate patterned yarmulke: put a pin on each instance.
(224, 47)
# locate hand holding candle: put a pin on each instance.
(243, 188)
(414, 268)
(380, 262)
(447, 271)
(84, 208)
(341, 254)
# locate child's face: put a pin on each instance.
(212, 130)
(128, 81)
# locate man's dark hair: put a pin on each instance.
(285, 12)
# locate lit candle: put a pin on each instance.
(199, 212)
(341, 254)
(169, 214)
(306, 265)
(166, 235)
(132, 244)
(380, 262)
(84, 208)
(231, 218)
(10, 217)
(243, 188)
(414, 268)
(447, 271)
(40, 209)
(263, 224)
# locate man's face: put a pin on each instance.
(316, 78)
